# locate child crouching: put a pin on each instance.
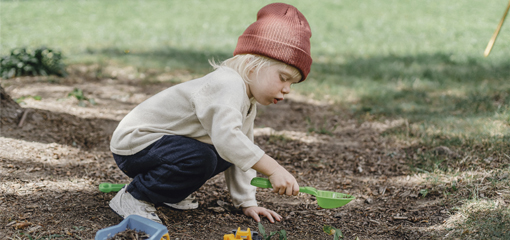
(173, 142)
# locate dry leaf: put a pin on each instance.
(22, 225)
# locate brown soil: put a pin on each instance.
(52, 163)
(130, 234)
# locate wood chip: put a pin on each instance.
(217, 209)
(374, 221)
(382, 190)
(10, 224)
(33, 229)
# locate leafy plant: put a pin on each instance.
(78, 94)
(337, 234)
(424, 192)
(282, 234)
(42, 61)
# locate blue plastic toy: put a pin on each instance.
(155, 230)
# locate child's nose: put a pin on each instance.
(286, 90)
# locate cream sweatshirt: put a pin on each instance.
(214, 109)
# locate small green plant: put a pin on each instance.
(79, 228)
(424, 192)
(30, 237)
(42, 61)
(78, 94)
(337, 234)
(282, 234)
(20, 99)
(275, 138)
(454, 185)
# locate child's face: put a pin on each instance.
(271, 83)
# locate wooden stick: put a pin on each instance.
(495, 35)
(25, 113)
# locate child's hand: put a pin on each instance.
(283, 182)
(254, 212)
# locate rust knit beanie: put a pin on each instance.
(282, 33)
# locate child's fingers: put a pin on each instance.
(296, 190)
(279, 190)
(293, 190)
(289, 191)
(276, 216)
(282, 191)
(255, 216)
(268, 215)
(270, 218)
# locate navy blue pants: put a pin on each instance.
(170, 169)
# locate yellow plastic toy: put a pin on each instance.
(244, 235)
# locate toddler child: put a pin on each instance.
(176, 140)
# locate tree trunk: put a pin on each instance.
(10, 111)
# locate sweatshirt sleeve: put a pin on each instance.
(219, 108)
(238, 183)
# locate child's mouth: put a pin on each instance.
(275, 101)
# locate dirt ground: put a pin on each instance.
(54, 154)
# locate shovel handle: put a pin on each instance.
(261, 182)
(265, 183)
(111, 187)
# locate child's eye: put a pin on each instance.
(282, 78)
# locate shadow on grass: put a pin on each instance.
(481, 152)
(424, 86)
(193, 60)
(388, 85)
(448, 101)
(420, 88)
(418, 104)
(439, 67)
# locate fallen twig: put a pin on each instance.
(374, 221)
(25, 113)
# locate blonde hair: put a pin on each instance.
(245, 63)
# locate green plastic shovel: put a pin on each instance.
(110, 187)
(325, 199)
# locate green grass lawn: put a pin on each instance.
(421, 61)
